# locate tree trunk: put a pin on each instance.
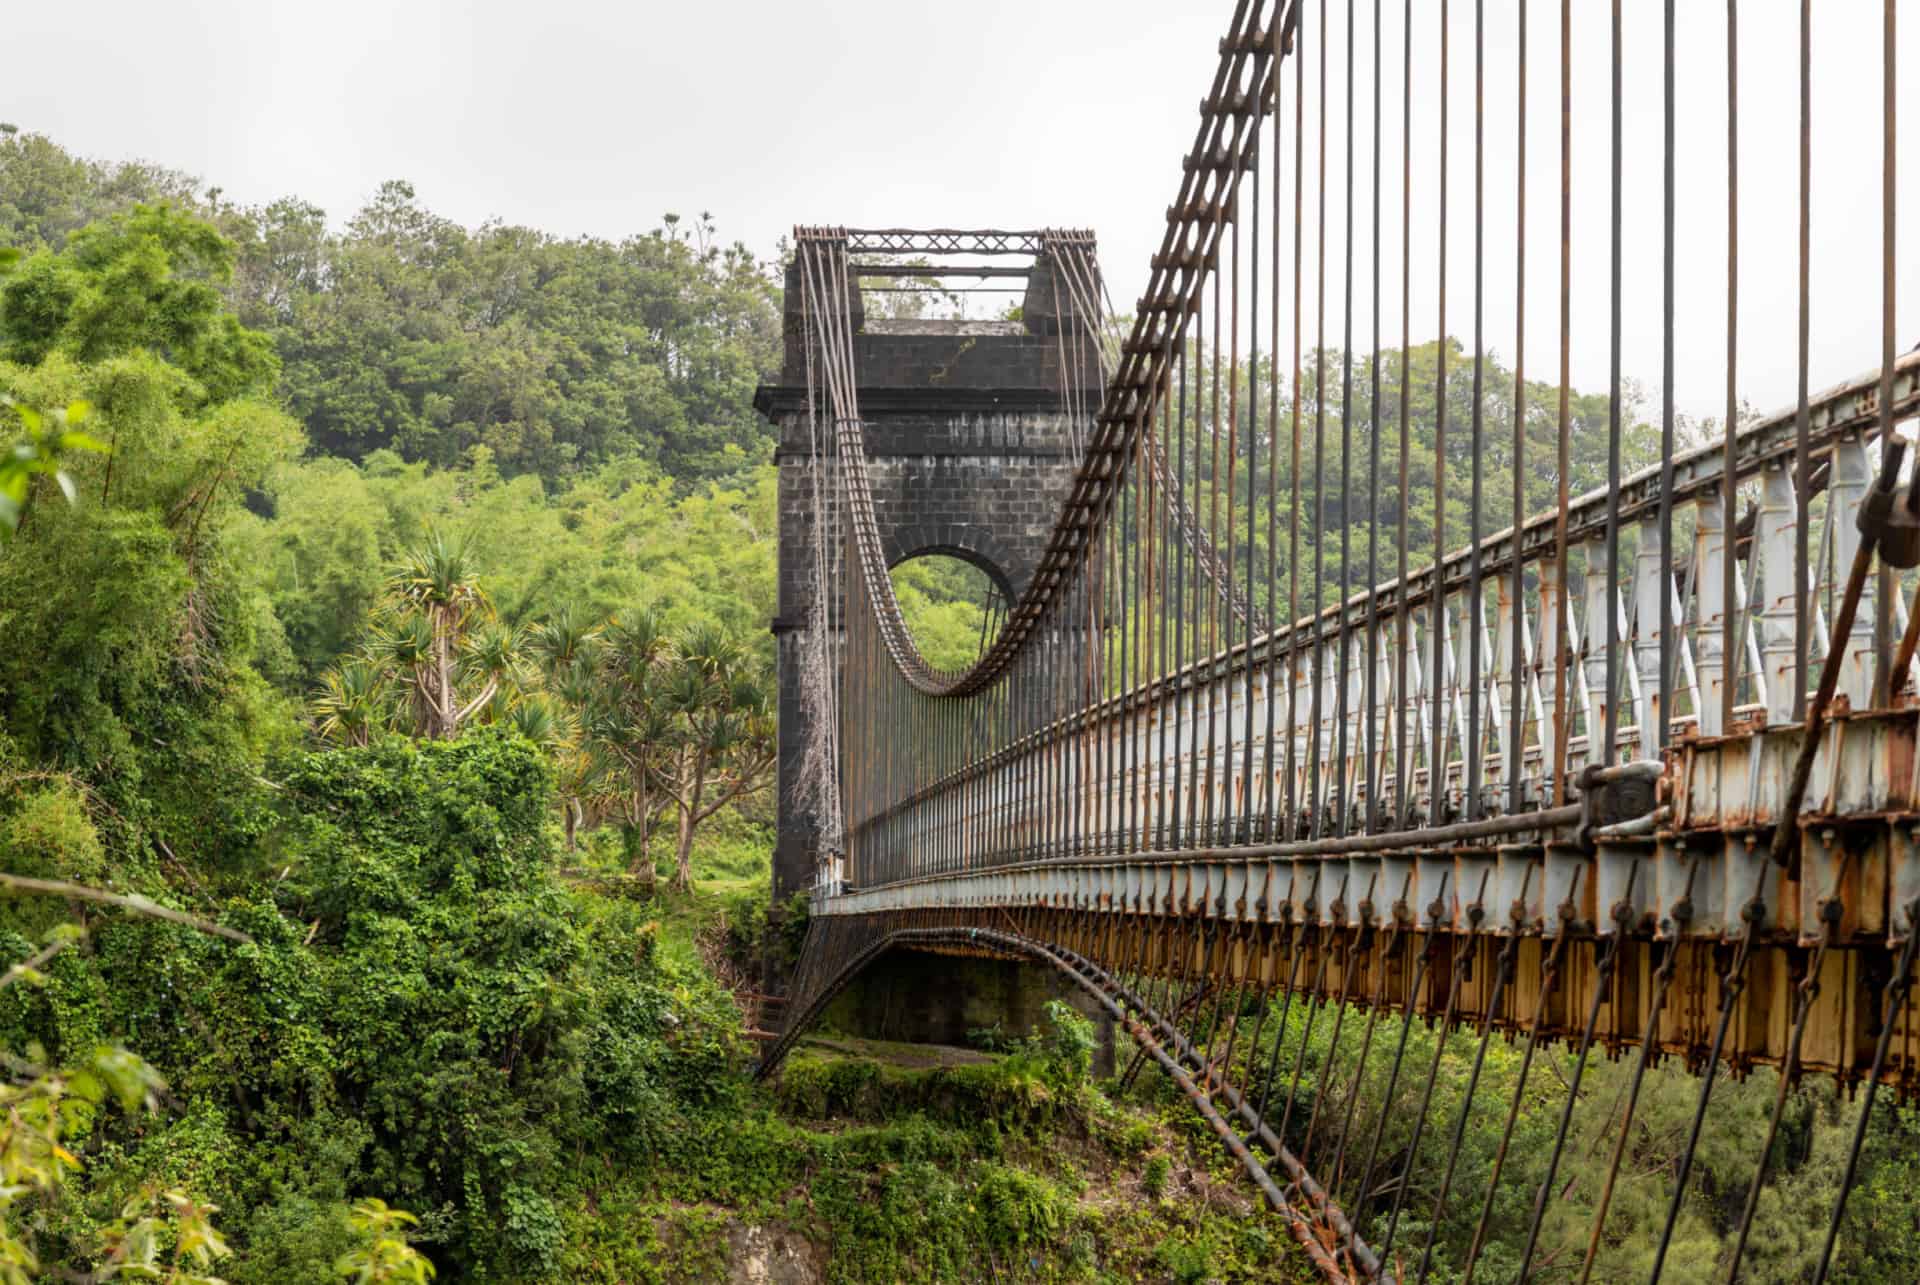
(683, 854)
(479, 702)
(689, 818)
(640, 821)
(633, 842)
(446, 715)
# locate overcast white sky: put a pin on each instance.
(577, 116)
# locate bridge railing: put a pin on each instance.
(1246, 746)
(1636, 768)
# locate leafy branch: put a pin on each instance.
(49, 437)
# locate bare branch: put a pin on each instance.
(138, 904)
(38, 962)
(477, 703)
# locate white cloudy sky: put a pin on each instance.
(579, 116)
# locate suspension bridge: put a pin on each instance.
(1360, 678)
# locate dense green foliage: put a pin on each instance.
(146, 279)
(424, 1015)
(1880, 1242)
(331, 459)
(1011, 1166)
(425, 1012)
(953, 608)
(408, 332)
(615, 539)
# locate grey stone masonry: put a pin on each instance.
(969, 453)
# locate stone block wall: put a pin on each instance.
(969, 453)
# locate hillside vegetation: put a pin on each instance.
(386, 724)
(403, 682)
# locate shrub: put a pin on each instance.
(1153, 1179)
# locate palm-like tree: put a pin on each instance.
(543, 687)
(722, 737)
(354, 703)
(563, 643)
(437, 583)
(490, 656)
(625, 729)
(403, 648)
(578, 779)
(435, 640)
(539, 718)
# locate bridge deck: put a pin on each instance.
(1632, 770)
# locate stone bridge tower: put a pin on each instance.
(970, 448)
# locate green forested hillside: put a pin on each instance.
(207, 534)
(392, 688)
(398, 329)
(385, 725)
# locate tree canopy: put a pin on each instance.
(375, 594)
(404, 331)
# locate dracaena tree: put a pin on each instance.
(437, 600)
(354, 702)
(436, 658)
(625, 729)
(566, 650)
(564, 644)
(716, 700)
(492, 659)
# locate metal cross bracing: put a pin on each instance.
(925, 241)
(1629, 764)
